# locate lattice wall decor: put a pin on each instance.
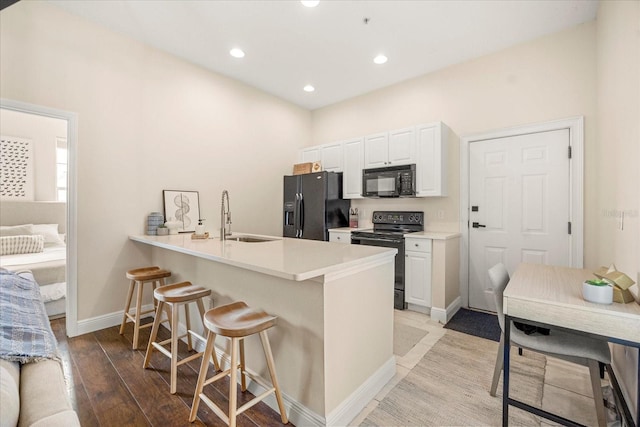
(16, 169)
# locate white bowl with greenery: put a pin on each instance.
(598, 291)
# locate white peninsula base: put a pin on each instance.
(333, 344)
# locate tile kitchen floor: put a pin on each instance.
(567, 387)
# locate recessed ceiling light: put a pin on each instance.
(236, 53)
(310, 3)
(380, 59)
(309, 88)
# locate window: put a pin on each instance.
(61, 169)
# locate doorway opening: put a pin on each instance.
(63, 185)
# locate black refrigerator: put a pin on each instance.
(313, 204)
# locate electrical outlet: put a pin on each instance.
(440, 214)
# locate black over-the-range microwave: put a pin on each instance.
(392, 181)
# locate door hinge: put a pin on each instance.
(569, 152)
(569, 228)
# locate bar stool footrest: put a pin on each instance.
(269, 388)
(168, 340)
(197, 335)
(132, 317)
(189, 358)
(161, 349)
(255, 400)
(215, 408)
(217, 377)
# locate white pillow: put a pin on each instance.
(50, 233)
(11, 245)
(16, 230)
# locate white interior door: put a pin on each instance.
(519, 201)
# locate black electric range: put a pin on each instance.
(389, 229)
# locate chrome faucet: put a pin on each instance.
(225, 217)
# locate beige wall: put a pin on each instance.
(618, 155)
(147, 121)
(43, 132)
(550, 78)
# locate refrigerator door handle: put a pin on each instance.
(301, 214)
(296, 217)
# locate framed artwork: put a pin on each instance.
(182, 206)
(16, 169)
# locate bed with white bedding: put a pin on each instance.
(47, 263)
(49, 270)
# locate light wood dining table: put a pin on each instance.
(551, 297)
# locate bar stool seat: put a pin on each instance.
(140, 276)
(236, 321)
(174, 296)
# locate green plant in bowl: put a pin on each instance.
(598, 282)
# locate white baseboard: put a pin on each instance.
(297, 413)
(356, 402)
(106, 320)
(444, 315)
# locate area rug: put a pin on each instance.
(483, 325)
(405, 337)
(450, 387)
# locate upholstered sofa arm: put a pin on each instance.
(43, 396)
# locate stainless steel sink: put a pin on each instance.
(249, 239)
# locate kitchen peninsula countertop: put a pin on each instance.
(333, 344)
(292, 259)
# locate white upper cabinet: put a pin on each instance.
(376, 150)
(425, 145)
(431, 159)
(353, 155)
(392, 148)
(332, 157)
(311, 154)
(402, 146)
(329, 155)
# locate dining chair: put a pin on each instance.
(567, 346)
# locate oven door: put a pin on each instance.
(388, 242)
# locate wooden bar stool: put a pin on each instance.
(174, 296)
(236, 321)
(140, 276)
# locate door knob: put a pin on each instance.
(477, 225)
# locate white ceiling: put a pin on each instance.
(330, 47)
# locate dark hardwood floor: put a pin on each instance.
(109, 387)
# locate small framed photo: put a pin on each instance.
(182, 206)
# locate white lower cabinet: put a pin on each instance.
(417, 272)
(340, 236)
